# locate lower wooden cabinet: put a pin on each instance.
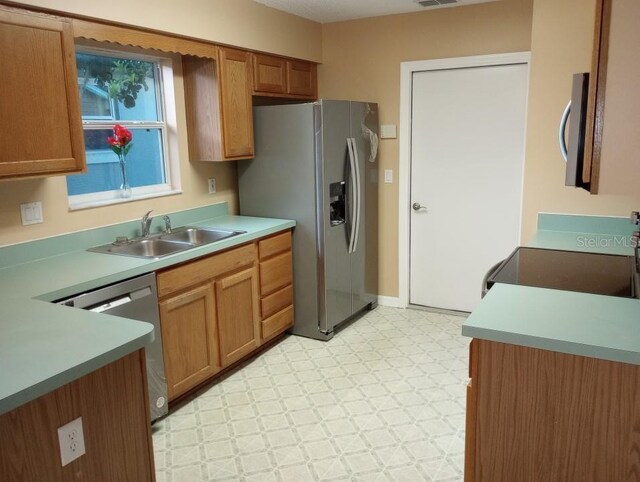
(276, 284)
(542, 416)
(218, 309)
(189, 338)
(114, 407)
(238, 317)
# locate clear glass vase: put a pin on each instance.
(125, 190)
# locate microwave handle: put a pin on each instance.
(562, 131)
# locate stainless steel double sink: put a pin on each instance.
(164, 244)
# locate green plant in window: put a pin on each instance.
(122, 79)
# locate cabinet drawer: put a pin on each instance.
(274, 245)
(275, 273)
(276, 301)
(277, 323)
(198, 271)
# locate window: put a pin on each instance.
(131, 90)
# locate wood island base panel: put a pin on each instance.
(112, 402)
(542, 416)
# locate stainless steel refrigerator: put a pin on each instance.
(317, 163)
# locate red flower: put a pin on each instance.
(122, 134)
(120, 141)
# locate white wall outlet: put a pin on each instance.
(71, 440)
(31, 213)
(212, 185)
(388, 176)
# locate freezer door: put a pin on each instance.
(364, 259)
(332, 162)
(281, 182)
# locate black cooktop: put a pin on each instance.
(602, 274)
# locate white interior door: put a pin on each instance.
(467, 155)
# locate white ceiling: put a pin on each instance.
(325, 11)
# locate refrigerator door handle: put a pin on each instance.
(353, 200)
(358, 195)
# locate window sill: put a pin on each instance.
(77, 206)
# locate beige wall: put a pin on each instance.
(561, 45)
(361, 61)
(52, 191)
(236, 22)
(242, 23)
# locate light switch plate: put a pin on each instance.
(388, 131)
(388, 176)
(31, 213)
(71, 441)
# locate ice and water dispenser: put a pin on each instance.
(337, 193)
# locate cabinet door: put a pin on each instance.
(235, 101)
(302, 78)
(616, 69)
(39, 100)
(202, 108)
(189, 339)
(238, 318)
(269, 74)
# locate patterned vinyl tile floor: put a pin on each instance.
(384, 400)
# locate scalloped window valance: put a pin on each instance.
(139, 38)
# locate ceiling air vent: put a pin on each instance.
(435, 3)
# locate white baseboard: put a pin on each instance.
(390, 301)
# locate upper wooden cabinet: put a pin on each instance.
(269, 74)
(613, 167)
(302, 78)
(39, 100)
(235, 100)
(218, 104)
(279, 77)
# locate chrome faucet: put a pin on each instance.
(146, 224)
(167, 223)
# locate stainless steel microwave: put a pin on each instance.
(572, 146)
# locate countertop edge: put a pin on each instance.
(575, 323)
(550, 344)
(75, 372)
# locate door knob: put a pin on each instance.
(418, 207)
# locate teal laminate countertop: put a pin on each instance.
(44, 346)
(597, 326)
(604, 327)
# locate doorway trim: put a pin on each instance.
(407, 69)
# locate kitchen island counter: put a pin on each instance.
(597, 326)
(604, 327)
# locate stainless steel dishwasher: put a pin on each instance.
(137, 299)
